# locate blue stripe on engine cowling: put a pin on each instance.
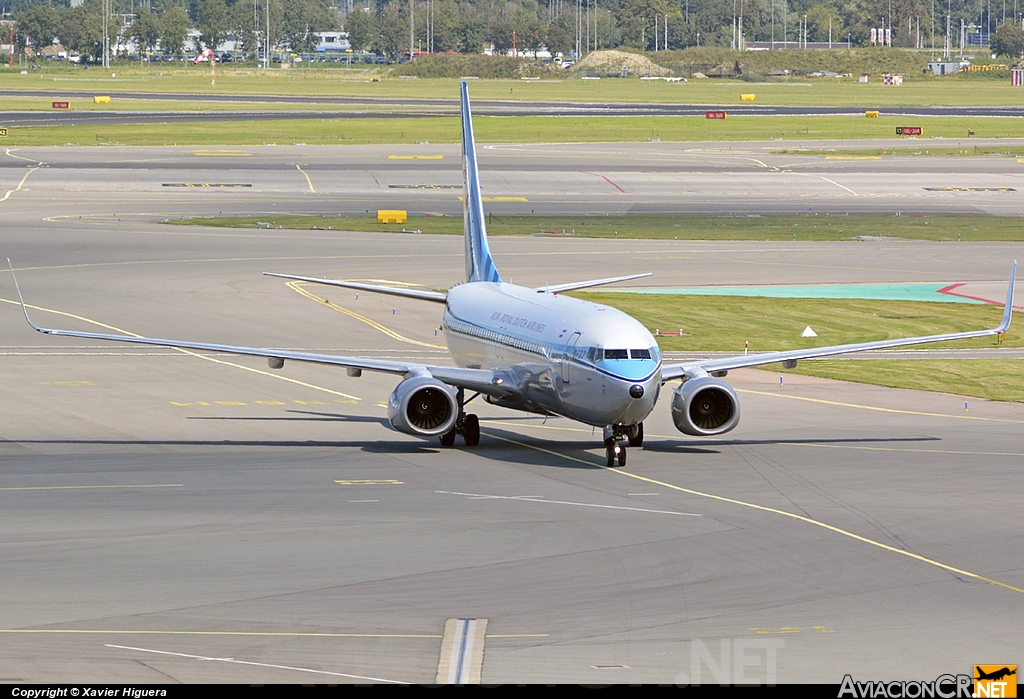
(479, 264)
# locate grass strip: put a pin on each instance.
(724, 323)
(721, 323)
(962, 90)
(774, 228)
(398, 130)
(991, 379)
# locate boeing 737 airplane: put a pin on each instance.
(539, 351)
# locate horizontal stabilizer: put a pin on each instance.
(573, 286)
(420, 294)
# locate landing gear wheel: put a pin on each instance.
(470, 431)
(638, 439)
(448, 438)
(616, 456)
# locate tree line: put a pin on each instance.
(389, 27)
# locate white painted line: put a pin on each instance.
(534, 498)
(247, 662)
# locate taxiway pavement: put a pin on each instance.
(741, 179)
(171, 517)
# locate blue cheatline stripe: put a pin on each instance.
(479, 265)
(877, 292)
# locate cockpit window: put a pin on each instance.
(616, 354)
(640, 354)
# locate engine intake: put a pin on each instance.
(705, 406)
(423, 407)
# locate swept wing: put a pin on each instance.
(493, 383)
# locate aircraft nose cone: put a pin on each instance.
(636, 391)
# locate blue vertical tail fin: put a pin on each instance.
(479, 265)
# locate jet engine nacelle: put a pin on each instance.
(705, 406)
(423, 407)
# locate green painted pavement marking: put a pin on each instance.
(878, 292)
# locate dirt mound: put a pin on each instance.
(478, 65)
(611, 64)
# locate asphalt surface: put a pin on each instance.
(169, 517)
(742, 179)
(376, 107)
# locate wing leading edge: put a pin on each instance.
(493, 383)
(700, 368)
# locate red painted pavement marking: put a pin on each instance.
(605, 179)
(948, 290)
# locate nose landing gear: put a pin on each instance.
(614, 438)
(616, 455)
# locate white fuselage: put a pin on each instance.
(569, 357)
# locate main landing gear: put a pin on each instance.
(466, 424)
(615, 435)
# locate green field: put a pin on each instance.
(805, 228)
(949, 91)
(722, 323)
(992, 379)
(505, 130)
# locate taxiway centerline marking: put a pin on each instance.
(771, 510)
(780, 442)
(308, 181)
(19, 157)
(189, 352)
(297, 286)
(22, 183)
(826, 179)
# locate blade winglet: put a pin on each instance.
(1008, 309)
(24, 308)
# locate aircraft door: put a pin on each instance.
(570, 347)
